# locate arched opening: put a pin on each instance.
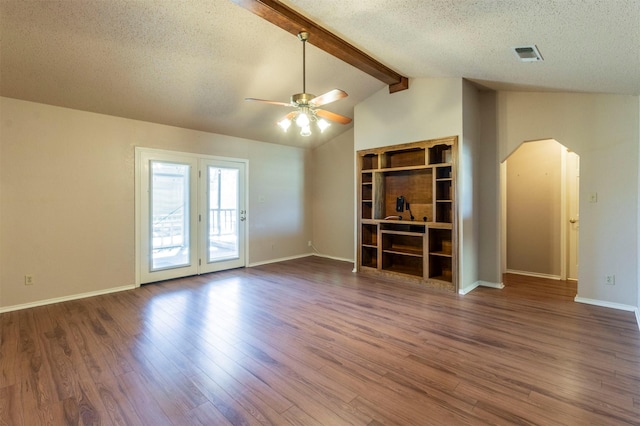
(540, 201)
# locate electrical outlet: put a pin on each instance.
(610, 280)
(28, 280)
(309, 243)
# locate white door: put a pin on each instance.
(223, 216)
(190, 214)
(573, 185)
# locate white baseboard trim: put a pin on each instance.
(341, 259)
(492, 285)
(281, 259)
(533, 274)
(605, 304)
(65, 298)
(469, 288)
(612, 305)
(299, 256)
(477, 284)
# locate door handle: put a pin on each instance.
(572, 220)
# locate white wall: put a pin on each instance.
(67, 197)
(332, 171)
(604, 131)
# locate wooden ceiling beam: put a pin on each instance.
(293, 22)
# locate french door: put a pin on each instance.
(191, 214)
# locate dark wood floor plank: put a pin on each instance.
(10, 410)
(207, 414)
(9, 341)
(148, 409)
(308, 342)
(37, 387)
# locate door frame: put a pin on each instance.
(138, 167)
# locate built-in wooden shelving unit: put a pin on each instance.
(406, 210)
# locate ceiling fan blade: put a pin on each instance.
(333, 116)
(330, 96)
(289, 116)
(287, 104)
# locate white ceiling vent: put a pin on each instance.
(528, 53)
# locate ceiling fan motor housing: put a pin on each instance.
(302, 99)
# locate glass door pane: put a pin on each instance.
(170, 228)
(223, 214)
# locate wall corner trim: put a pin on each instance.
(66, 298)
(473, 286)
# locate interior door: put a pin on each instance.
(573, 185)
(190, 214)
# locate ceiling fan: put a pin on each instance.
(307, 105)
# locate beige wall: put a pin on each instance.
(67, 197)
(66, 183)
(604, 131)
(489, 189)
(468, 187)
(433, 108)
(332, 169)
(533, 208)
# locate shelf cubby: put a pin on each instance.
(367, 192)
(403, 158)
(366, 210)
(370, 162)
(403, 243)
(440, 242)
(440, 269)
(440, 154)
(403, 264)
(369, 257)
(369, 234)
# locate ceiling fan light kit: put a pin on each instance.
(307, 105)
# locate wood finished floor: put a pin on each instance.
(308, 342)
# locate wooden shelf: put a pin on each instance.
(404, 251)
(440, 253)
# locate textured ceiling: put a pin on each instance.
(192, 63)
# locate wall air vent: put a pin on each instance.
(528, 53)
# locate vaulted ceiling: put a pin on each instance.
(192, 63)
